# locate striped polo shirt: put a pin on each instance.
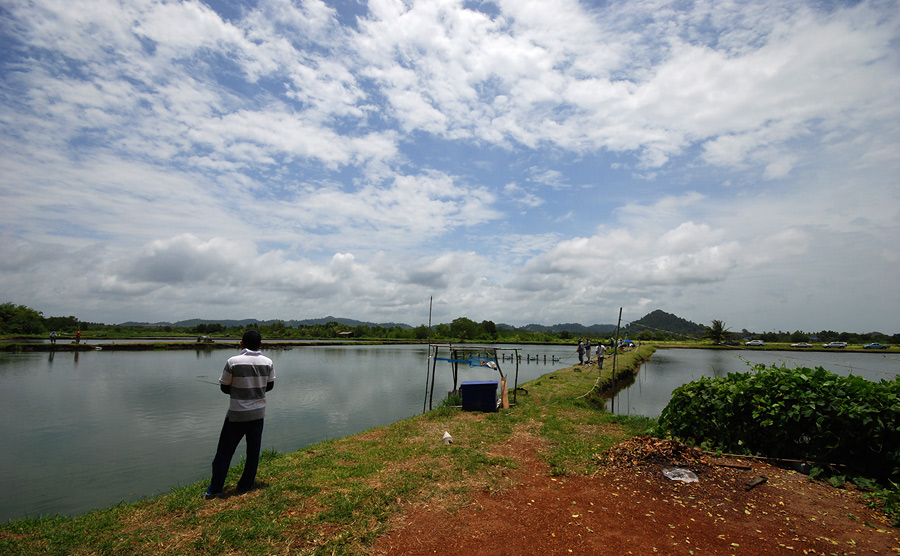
(247, 374)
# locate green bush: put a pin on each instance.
(801, 413)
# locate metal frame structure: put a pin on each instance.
(490, 356)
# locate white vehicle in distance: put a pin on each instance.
(755, 343)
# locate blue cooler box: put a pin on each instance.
(479, 395)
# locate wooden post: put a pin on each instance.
(433, 368)
(516, 385)
(427, 370)
(455, 367)
(612, 398)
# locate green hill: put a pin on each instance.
(660, 321)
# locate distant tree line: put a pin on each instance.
(823, 336)
(719, 333)
(22, 320)
(19, 320)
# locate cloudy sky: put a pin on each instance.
(521, 161)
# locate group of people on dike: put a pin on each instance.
(584, 348)
(53, 337)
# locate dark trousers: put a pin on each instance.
(229, 438)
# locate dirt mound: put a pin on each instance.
(642, 450)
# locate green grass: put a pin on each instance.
(336, 497)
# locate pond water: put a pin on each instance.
(668, 369)
(87, 430)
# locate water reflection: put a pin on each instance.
(720, 363)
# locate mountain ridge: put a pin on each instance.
(233, 323)
(655, 320)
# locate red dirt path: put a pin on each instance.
(629, 507)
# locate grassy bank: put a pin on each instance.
(335, 497)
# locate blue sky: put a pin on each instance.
(519, 161)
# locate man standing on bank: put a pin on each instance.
(246, 379)
(601, 353)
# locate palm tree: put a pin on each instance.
(717, 332)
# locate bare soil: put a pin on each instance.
(628, 506)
